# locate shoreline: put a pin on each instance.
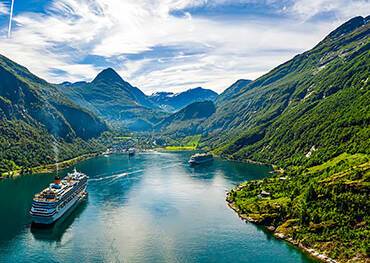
(49, 168)
(246, 161)
(310, 251)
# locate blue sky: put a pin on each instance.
(166, 45)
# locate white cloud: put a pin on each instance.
(241, 47)
(343, 9)
(4, 10)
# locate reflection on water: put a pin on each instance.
(54, 233)
(153, 207)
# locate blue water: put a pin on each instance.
(150, 208)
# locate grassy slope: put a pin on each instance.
(116, 101)
(188, 143)
(186, 121)
(310, 116)
(35, 118)
(24, 145)
(319, 98)
(325, 207)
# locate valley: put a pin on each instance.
(309, 118)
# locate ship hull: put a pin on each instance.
(49, 220)
(198, 162)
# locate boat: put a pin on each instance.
(107, 153)
(131, 152)
(62, 195)
(200, 158)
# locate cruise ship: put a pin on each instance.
(200, 158)
(131, 152)
(62, 195)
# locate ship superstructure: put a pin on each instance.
(200, 158)
(53, 202)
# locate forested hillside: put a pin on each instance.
(310, 117)
(233, 90)
(186, 121)
(315, 105)
(110, 97)
(34, 116)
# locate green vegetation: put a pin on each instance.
(114, 100)
(189, 143)
(45, 168)
(180, 148)
(325, 207)
(310, 117)
(318, 100)
(38, 125)
(123, 138)
(23, 147)
(28, 99)
(187, 121)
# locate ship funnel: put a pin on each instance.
(57, 180)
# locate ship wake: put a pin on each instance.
(114, 176)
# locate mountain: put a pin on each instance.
(173, 102)
(318, 99)
(187, 120)
(233, 90)
(34, 115)
(311, 118)
(114, 100)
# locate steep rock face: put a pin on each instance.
(115, 101)
(173, 102)
(320, 97)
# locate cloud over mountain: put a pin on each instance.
(167, 44)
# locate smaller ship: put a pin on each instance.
(107, 152)
(62, 195)
(200, 158)
(131, 152)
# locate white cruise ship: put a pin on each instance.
(53, 202)
(200, 158)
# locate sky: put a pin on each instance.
(166, 45)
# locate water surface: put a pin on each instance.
(150, 208)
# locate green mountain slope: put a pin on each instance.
(174, 102)
(325, 208)
(233, 90)
(311, 117)
(186, 121)
(317, 101)
(27, 97)
(34, 115)
(115, 100)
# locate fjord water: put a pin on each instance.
(149, 208)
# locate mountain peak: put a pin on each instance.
(108, 74)
(349, 26)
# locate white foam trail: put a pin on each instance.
(115, 176)
(119, 174)
(10, 19)
(108, 177)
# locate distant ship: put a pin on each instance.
(53, 202)
(131, 152)
(200, 158)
